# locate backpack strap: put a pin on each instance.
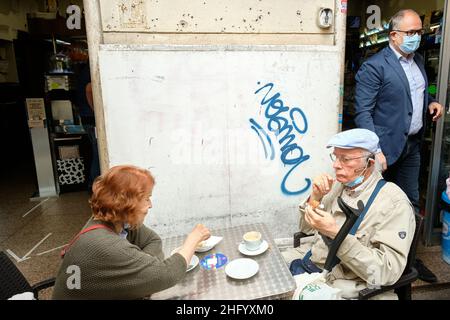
(94, 227)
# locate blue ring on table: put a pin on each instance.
(213, 261)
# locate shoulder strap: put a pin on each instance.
(97, 226)
(378, 187)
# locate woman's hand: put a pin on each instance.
(197, 235)
(322, 221)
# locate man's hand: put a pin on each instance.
(322, 221)
(381, 160)
(435, 108)
(321, 186)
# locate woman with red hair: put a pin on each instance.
(115, 256)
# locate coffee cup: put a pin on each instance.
(252, 240)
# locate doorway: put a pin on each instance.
(363, 40)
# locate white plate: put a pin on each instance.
(208, 244)
(194, 260)
(242, 268)
(262, 248)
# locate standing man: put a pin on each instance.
(391, 99)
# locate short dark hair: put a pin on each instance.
(398, 17)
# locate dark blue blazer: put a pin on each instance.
(383, 101)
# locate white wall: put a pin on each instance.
(215, 22)
(185, 113)
(185, 104)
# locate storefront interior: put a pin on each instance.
(40, 63)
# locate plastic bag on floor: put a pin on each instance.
(23, 296)
(313, 287)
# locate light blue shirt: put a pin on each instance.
(417, 87)
(124, 233)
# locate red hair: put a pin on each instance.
(117, 192)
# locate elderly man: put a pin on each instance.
(377, 253)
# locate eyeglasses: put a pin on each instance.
(344, 160)
(410, 33)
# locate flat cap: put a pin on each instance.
(356, 138)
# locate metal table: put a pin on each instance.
(273, 280)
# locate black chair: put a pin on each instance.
(403, 286)
(13, 282)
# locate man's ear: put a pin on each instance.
(371, 160)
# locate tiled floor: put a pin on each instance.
(432, 258)
(439, 292)
(52, 224)
(56, 220)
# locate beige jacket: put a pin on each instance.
(377, 253)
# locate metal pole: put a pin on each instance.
(339, 41)
(433, 194)
(54, 43)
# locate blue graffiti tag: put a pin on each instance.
(282, 121)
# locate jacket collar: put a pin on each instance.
(394, 62)
(398, 55)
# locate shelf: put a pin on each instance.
(371, 33)
(365, 38)
(373, 38)
(368, 45)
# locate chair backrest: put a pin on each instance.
(414, 243)
(12, 280)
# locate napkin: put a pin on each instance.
(210, 242)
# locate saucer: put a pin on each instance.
(193, 263)
(242, 268)
(208, 244)
(262, 248)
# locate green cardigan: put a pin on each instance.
(111, 267)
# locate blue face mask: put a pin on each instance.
(410, 43)
(355, 182)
